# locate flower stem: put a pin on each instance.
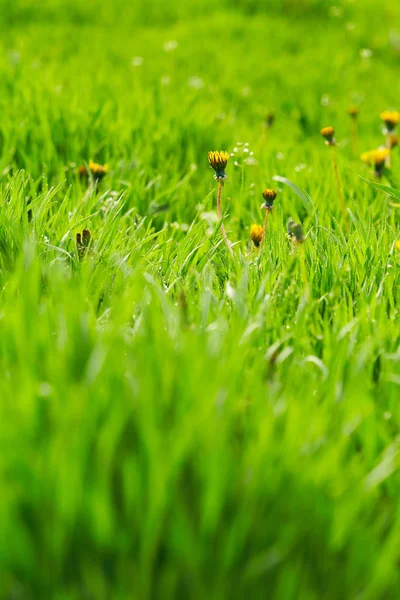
(227, 242)
(342, 206)
(355, 137)
(303, 269)
(389, 146)
(264, 228)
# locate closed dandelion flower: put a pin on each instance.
(328, 133)
(295, 232)
(268, 205)
(393, 140)
(353, 112)
(256, 234)
(82, 242)
(218, 161)
(376, 158)
(391, 118)
(397, 244)
(269, 197)
(86, 236)
(269, 119)
(96, 170)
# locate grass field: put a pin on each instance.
(177, 422)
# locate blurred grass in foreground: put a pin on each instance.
(175, 423)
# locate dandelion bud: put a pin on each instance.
(256, 234)
(218, 161)
(269, 197)
(295, 232)
(353, 112)
(376, 158)
(328, 133)
(391, 118)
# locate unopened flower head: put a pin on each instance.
(393, 140)
(391, 118)
(98, 171)
(269, 119)
(218, 161)
(329, 134)
(377, 159)
(269, 197)
(256, 234)
(95, 169)
(82, 242)
(295, 232)
(86, 237)
(353, 112)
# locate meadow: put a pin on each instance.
(177, 421)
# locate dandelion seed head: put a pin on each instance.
(325, 100)
(170, 46)
(365, 53)
(196, 82)
(137, 61)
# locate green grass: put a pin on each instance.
(175, 423)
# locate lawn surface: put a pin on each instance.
(175, 422)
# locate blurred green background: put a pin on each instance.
(173, 423)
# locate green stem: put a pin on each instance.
(227, 242)
(264, 228)
(342, 205)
